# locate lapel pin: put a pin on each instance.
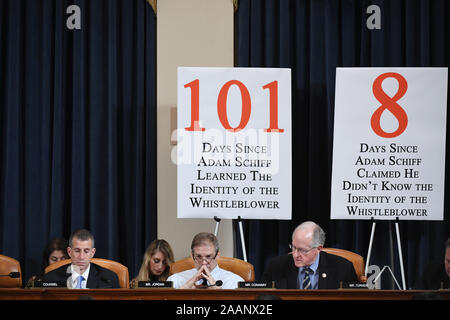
(324, 275)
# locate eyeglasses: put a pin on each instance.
(200, 259)
(300, 251)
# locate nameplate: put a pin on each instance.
(253, 285)
(54, 284)
(155, 284)
(352, 285)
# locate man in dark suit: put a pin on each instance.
(436, 274)
(82, 274)
(307, 267)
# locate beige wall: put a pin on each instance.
(190, 33)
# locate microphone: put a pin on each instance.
(13, 275)
(205, 284)
(218, 283)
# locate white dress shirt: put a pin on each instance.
(75, 275)
(229, 279)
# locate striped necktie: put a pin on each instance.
(307, 279)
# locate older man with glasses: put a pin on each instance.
(206, 273)
(307, 267)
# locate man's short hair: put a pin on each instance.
(83, 235)
(204, 238)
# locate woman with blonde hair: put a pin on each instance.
(155, 263)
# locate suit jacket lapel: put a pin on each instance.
(93, 277)
(62, 274)
(292, 276)
(323, 271)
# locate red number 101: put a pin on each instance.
(222, 106)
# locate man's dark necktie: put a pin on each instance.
(307, 279)
(205, 282)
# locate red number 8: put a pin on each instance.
(390, 104)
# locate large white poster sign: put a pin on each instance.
(234, 143)
(389, 143)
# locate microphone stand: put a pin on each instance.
(218, 283)
(13, 275)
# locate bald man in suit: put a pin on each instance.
(308, 267)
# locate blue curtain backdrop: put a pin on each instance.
(78, 119)
(77, 127)
(313, 37)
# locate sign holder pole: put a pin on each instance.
(241, 232)
(372, 233)
(216, 231)
(400, 255)
(244, 253)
